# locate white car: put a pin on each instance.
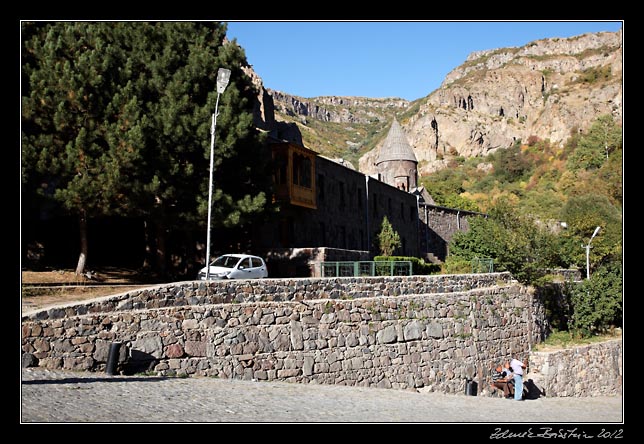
(236, 266)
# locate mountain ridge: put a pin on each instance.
(548, 88)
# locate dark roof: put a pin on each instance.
(396, 146)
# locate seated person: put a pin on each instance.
(502, 379)
(509, 377)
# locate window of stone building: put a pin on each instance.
(360, 198)
(341, 194)
(402, 211)
(412, 213)
(389, 206)
(301, 170)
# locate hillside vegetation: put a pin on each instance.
(544, 206)
(348, 141)
(537, 176)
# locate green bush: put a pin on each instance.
(597, 302)
(595, 74)
(457, 265)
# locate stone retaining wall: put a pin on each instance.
(410, 332)
(591, 370)
(298, 289)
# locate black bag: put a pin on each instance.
(470, 387)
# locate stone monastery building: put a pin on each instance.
(330, 212)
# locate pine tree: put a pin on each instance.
(79, 138)
(116, 121)
(389, 240)
(181, 62)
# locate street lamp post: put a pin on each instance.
(587, 247)
(223, 77)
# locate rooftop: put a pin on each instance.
(396, 146)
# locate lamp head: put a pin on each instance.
(223, 77)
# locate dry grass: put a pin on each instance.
(559, 340)
(41, 289)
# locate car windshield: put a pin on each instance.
(225, 261)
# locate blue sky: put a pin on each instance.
(380, 59)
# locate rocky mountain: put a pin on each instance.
(336, 109)
(342, 128)
(546, 89)
(339, 128)
(264, 112)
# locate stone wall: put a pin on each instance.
(430, 333)
(400, 332)
(349, 214)
(438, 225)
(591, 370)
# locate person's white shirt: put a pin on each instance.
(517, 367)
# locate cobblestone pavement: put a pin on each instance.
(81, 397)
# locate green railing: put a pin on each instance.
(482, 265)
(365, 268)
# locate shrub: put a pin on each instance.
(597, 302)
(457, 265)
(388, 239)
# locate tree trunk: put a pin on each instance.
(148, 259)
(82, 258)
(161, 247)
(189, 255)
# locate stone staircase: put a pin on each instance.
(433, 259)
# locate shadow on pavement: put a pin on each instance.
(89, 380)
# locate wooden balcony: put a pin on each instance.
(294, 174)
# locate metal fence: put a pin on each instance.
(482, 265)
(365, 268)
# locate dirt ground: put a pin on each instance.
(41, 289)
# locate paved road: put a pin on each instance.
(82, 397)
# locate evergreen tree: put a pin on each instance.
(116, 120)
(388, 239)
(180, 63)
(81, 142)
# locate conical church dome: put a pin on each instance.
(396, 146)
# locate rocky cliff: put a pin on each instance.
(336, 109)
(546, 89)
(341, 128)
(264, 112)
